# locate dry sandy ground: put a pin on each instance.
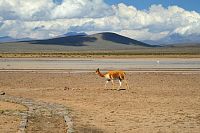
(156, 102)
(9, 123)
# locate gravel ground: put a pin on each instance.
(155, 102)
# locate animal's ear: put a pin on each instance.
(97, 69)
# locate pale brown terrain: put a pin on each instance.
(161, 102)
(9, 123)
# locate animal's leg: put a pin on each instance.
(113, 84)
(106, 84)
(120, 84)
(126, 84)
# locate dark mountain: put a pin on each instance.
(97, 42)
(96, 39)
(113, 37)
(77, 40)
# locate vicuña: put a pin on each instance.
(113, 75)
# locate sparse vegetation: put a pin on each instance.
(104, 54)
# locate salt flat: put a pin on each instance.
(93, 63)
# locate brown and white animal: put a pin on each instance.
(113, 75)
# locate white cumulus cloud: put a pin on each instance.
(46, 18)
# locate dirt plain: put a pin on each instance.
(157, 102)
(9, 123)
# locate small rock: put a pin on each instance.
(66, 88)
(112, 111)
(2, 93)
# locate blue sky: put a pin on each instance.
(145, 4)
(191, 5)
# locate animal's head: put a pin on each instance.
(97, 71)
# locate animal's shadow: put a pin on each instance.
(121, 89)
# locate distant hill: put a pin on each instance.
(102, 39)
(106, 41)
(103, 42)
(175, 39)
(7, 39)
(10, 39)
(184, 45)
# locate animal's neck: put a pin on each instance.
(100, 74)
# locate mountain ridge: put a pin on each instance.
(106, 41)
(86, 40)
